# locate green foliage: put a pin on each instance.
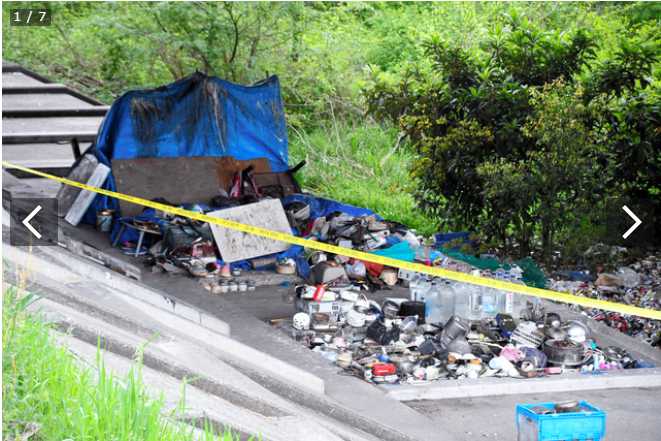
(458, 73)
(362, 166)
(47, 394)
(519, 133)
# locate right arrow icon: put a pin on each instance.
(634, 217)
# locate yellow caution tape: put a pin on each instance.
(520, 289)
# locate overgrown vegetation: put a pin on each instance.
(48, 395)
(350, 70)
(524, 133)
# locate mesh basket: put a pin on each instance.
(532, 276)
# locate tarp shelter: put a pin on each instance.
(197, 115)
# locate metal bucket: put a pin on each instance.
(104, 221)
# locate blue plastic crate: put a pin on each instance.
(441, 239)
(589, 424)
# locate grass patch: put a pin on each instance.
(360, 166)
(48, 395)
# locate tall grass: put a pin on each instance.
(360, 165)
(48, 395)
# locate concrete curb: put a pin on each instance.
(508, 386)
(209, 330)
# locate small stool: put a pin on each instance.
(142, 231)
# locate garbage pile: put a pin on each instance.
(445, 330)
(638, 284)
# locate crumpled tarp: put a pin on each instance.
(197, 115)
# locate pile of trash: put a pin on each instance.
(638, 284)
(459, 331)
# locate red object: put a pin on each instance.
(382, 369)
(319, 293)
(373, 268)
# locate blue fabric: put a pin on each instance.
(324, 207)
(131, 234)
(401, 251)
(392, 240)
(195, 116)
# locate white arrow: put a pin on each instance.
(638, 221)
(29, 218)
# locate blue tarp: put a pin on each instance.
(194, 116)
(324, 207)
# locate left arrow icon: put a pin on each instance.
(29, 218)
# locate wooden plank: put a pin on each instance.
(235, 245)
(68, 193)
(227, 166)
(178, 180)
(84, 199)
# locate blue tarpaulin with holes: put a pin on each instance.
(197, 115)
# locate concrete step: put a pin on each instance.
(43, 101)
(56, 112)
(62, 266)
(81, 310)
(52, 88)
(55, 167)
(354, 403)
(32, 137)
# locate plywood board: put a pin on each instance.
(227, 166)
(181, 180)
(235, 245)
(85, 198)
(68, 193)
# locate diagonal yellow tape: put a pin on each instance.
(527, 290)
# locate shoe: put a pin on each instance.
(131, 251)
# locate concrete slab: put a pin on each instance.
(43, 101)
(348, 398)
(17, 79)
(45, 188)
(17, 126)
(43, 152)
(631, 414)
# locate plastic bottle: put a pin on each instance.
(415, 286)
(425, 285)
(506, 301)
(520, 301)
(490, 298)
(475, 311)
(462, 302)
(433, 304)
(448, 301)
